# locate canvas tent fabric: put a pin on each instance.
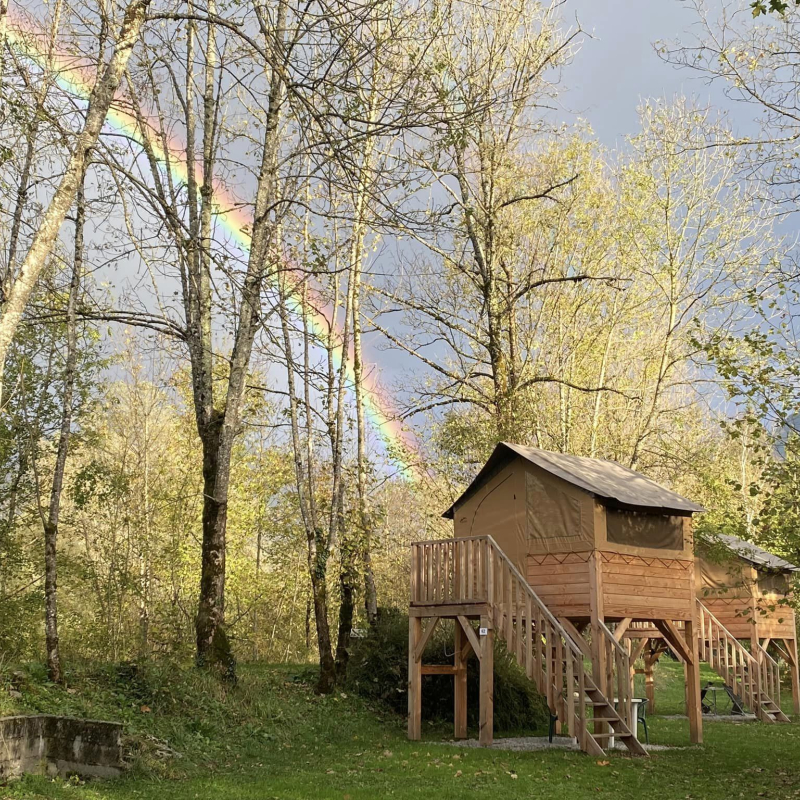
(497, 509)
(527, 510)
(728, 578)
(559, 517)
(734, 576)
(611, 483)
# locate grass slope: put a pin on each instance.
(271, 737)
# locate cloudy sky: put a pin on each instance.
(618, 67)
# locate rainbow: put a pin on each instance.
(77, 80)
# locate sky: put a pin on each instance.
(617, 66)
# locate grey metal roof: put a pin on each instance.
(610, 482)
(757, 556)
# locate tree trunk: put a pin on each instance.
(51, 524)
(213, 645)
(45, 237)
(316, 547)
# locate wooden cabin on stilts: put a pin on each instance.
(563, 558)
(745, 592)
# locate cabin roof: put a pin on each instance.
(611, 483)
(757, 556)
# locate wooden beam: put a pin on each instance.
(781, 652)
(438, 669)
(597, 614)
(425, 638)
(622, 626)
(462, 647)
(414, 680)
(693, 704)
(452, 610)
(472, 637)
(486, 693)
(639, 649)
(794, 667)
(673, 636)
(573, 631)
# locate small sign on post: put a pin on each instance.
(483, 631)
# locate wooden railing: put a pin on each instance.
(449, 571)
(619, 677)
(726, 654)
(770, 674)
(474, 570)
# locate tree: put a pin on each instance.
(492, 71)
(23, 283)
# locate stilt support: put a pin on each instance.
(794, 666)
(414, 679)
(460, 688)
(694, 708)
(486, 734)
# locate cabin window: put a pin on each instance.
(653, 531)
(774, 583)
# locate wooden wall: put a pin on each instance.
(562, 582)
(646, 588)
(734, 614)
(632, 586)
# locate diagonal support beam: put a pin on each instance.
(577, 636)
(472, 637)
(785, 654)
(639, 649)
(426, 635)
(674, 638)
(622, 626)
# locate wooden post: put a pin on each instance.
(694, 709)
(649, 684)
(486, 732)
(598, 647)
(460, 683)
(794, 668)
(414, 679)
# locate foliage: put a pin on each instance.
(379, 671)
(775, 6)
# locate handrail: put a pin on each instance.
(541, 644)
(545, 610)
(728, 656)
(618, 674)
(770, 674)
(475, 571)
(479, 537)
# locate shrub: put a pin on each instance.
(378, 670)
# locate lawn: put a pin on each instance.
(271, 737)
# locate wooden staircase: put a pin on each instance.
(753, 677)
(476, 575)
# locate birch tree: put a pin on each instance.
(102, 96)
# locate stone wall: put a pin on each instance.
(51, 745)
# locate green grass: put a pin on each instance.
(271, 737)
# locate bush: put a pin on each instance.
(378, 670)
